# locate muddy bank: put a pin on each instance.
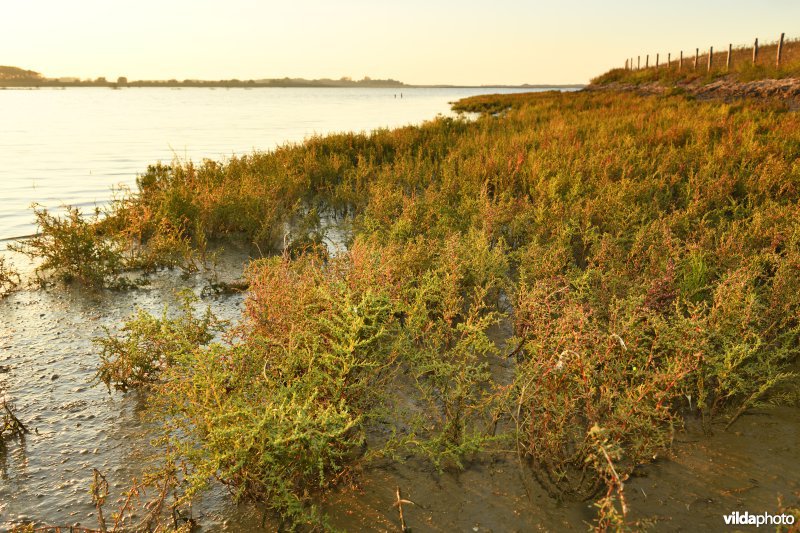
(747, 468)
(784, 89)
(703, 477)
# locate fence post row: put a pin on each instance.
(728, 60)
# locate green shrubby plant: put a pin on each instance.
(96, 250)
(645, 250)
(73, 247)
(747, 354)
(578, 369)
(449, 311)
(9, 278)
(147, 345)
(280, 412)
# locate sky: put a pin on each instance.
(464, 42)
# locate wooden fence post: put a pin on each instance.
(656, 61)
(626, 64)
(728, 60)
(780, 51)
(647, 61)
(638, 62)
(669, 59)
(696, 56)
(755, 51)
(710, 57)
(680, 63)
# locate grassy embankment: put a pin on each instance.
(742, 68)
(645, 251)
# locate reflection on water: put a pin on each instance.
(71, 146)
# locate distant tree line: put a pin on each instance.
(17, 77)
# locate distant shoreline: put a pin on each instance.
(15, 77)
(225, 85)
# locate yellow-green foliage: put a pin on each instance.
(646, 251)
(147, 345)
(9, 278)
(449, 307)
(281, 413)
(95, 250)
(74, 247)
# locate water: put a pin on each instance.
(71, 146)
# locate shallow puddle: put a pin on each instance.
(47, 368)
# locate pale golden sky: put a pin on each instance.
(415, 41)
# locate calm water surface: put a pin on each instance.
(71, 146)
